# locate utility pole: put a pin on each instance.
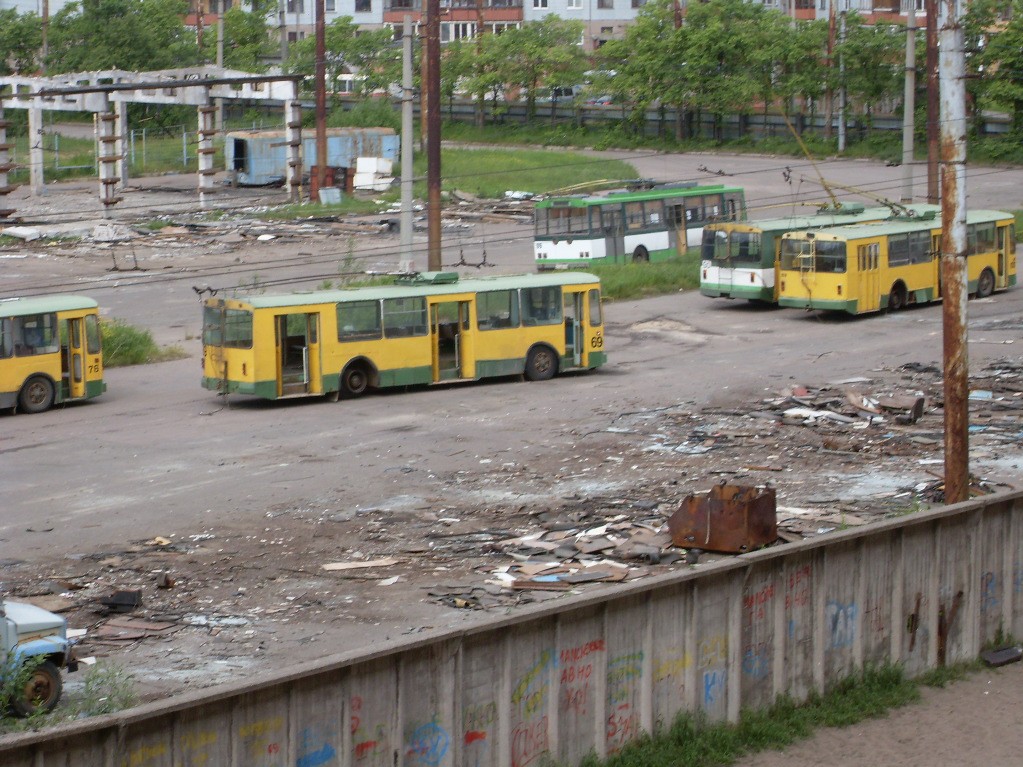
(931, 6)
(841, 84)
(829, 94)
(433, 133)
(321, 98)
(952, 63)
(909, 104)
(406, 139)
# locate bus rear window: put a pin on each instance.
(358, 321)
(230, 328)
(568, 221)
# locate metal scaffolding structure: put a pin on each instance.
(106, 94)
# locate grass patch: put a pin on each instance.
(692, 742)
(125, 344)
(105, 689)
(491, 172)
(628, 281)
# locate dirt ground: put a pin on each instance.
(235, 598)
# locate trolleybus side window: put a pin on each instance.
(980, 238)
(596, 316)
(541, 306)
(35, 334)
(920, 247)
(93, 338)
(634, 216)
(238, 329)
(6, 338)
(497, 309)
(359, 321)
(405, 317)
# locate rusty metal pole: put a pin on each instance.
(909, 104)
(433, 133)
(933, 182)
(952, 63)
(321, 98)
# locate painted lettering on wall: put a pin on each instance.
(756, 659)
(713, 651)
(145, 754)
(530, 694)
(840, 623)
(369, 741)
(990, 592)
(314, 749)
(529, 742)
(756, 606)
(797, 587)
(714, 686)
(428, 744)
(671, 669)
(262, 741)
(576, 665)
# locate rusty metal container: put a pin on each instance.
(730, 519)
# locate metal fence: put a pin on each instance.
(588, 674)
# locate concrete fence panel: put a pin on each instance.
(588, 674)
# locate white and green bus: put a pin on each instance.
(621, 227)
(739, 259)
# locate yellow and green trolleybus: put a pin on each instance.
(739, 259)
(873, 267)
(425, 329)
(50, 351)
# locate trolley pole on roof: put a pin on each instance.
(952, 66)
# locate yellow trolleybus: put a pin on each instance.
(427, 328)
(50, 351)
(872, 267)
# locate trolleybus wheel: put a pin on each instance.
(40, 691)
(897, 298)
(640, 255)
(36, 395)
(541, 364)
(354, 380)
(986, 284)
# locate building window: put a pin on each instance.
(296, 6)
(575, 5)
(292, 37)
(608, 4)
(456, 31)
(363, 6)
(330, 6)
(638, 3)
(539, 3)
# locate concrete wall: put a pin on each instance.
(588, 674)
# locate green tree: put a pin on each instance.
(371, 55)
(874, 61)
(540, 55)
(138, 35)
(248, 41)
(21, 37)
(1001, 61)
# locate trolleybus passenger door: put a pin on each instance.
(575, 336)
(868, 282)
(448, 322)
(614, 234)
(298, 354)
(74, 360)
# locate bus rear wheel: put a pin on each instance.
(986, 284)
(36, 395)
(640, 255)
(897, 298)
(541, 364)
(354, 380)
